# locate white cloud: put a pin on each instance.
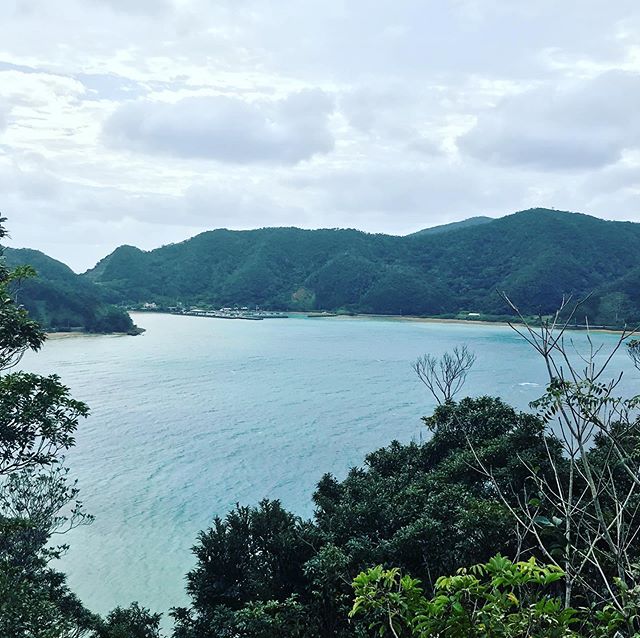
(588, 124)
(4, 117)
(142, 122)
(410, 197)
(227, 129)
(137, 7)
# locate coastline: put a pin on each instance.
(408, 318)
(445, 320)
(53, 336)
(417, 319)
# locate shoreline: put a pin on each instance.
(417, 319)
(472, 322)
(408, 318)
(69, 334)
(53, 336)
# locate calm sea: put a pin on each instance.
(198, 414)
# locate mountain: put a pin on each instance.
(59, 299)
(445, 228)
(535, 256)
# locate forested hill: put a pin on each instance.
(536, 256)
(445, 228)
(59, 299)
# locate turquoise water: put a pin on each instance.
(198, 414)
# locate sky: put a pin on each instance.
(145, 122)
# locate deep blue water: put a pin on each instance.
(198, 414)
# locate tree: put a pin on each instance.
(498, 599)
(18, 333)
(38, 419)
(254, 555)
(130, 622)
(585, 515)
(445, 376)
(37, 415)
(633, 350)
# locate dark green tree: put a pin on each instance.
(422, 507)
(130, 622)
(253, 554)
(499, 599)
(38, 419)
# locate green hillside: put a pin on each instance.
(535, 256)
(445, 228)
(59, 299)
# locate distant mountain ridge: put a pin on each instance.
(535, 256)
(59, 299)
(445, 228)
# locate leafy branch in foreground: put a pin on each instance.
(38, 419)
(497, 599)
(18, 332)
(584, 516)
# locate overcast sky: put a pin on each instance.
(147, 121)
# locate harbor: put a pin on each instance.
(243, 313)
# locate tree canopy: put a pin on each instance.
(537, 256)
(58, 299)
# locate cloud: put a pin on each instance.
(588, 124)
(237, 205)
(390, 112)
(227, 129)
(109, 86)
(621, 177)
(406, 197)
(144, 121)
(4, 117)
(137, 7)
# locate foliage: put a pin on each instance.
(421, 507)
(584, 514)
(18, 332)
(497, 599)
(537, 255)
(59, 299)
(274, 619)
(130, 622)
(253, 555)
(39, 605)
(38, 419)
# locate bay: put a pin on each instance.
(198, 414)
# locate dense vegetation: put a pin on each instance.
(445, 228)
(423, 508)
(536, 255)
(38, 501)
(502, 524)
(497, 599)
(61, 300)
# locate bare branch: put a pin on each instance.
(589, 494)
(445, 376)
